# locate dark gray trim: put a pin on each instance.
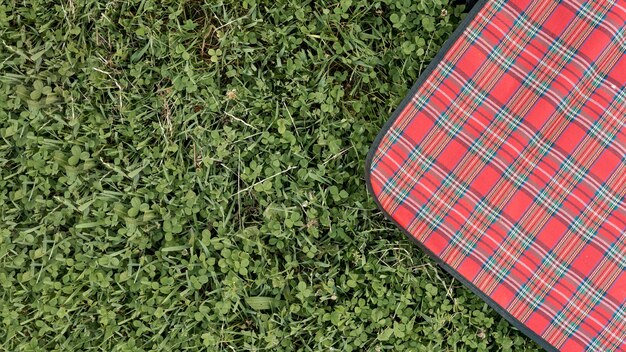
(368, 161)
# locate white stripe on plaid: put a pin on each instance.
(555, 99)
(527, 132)
(582, 63)
(510, 280)
(469, 140)
(477, 199)
(488, 78)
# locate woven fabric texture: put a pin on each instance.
(508, 164)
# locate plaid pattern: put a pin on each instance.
(509, 165)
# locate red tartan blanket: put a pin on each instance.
(506, 162)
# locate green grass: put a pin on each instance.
(186, 175)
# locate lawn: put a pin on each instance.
(188, 175)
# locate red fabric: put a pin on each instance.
(508, 164)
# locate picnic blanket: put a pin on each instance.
(506, 163)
